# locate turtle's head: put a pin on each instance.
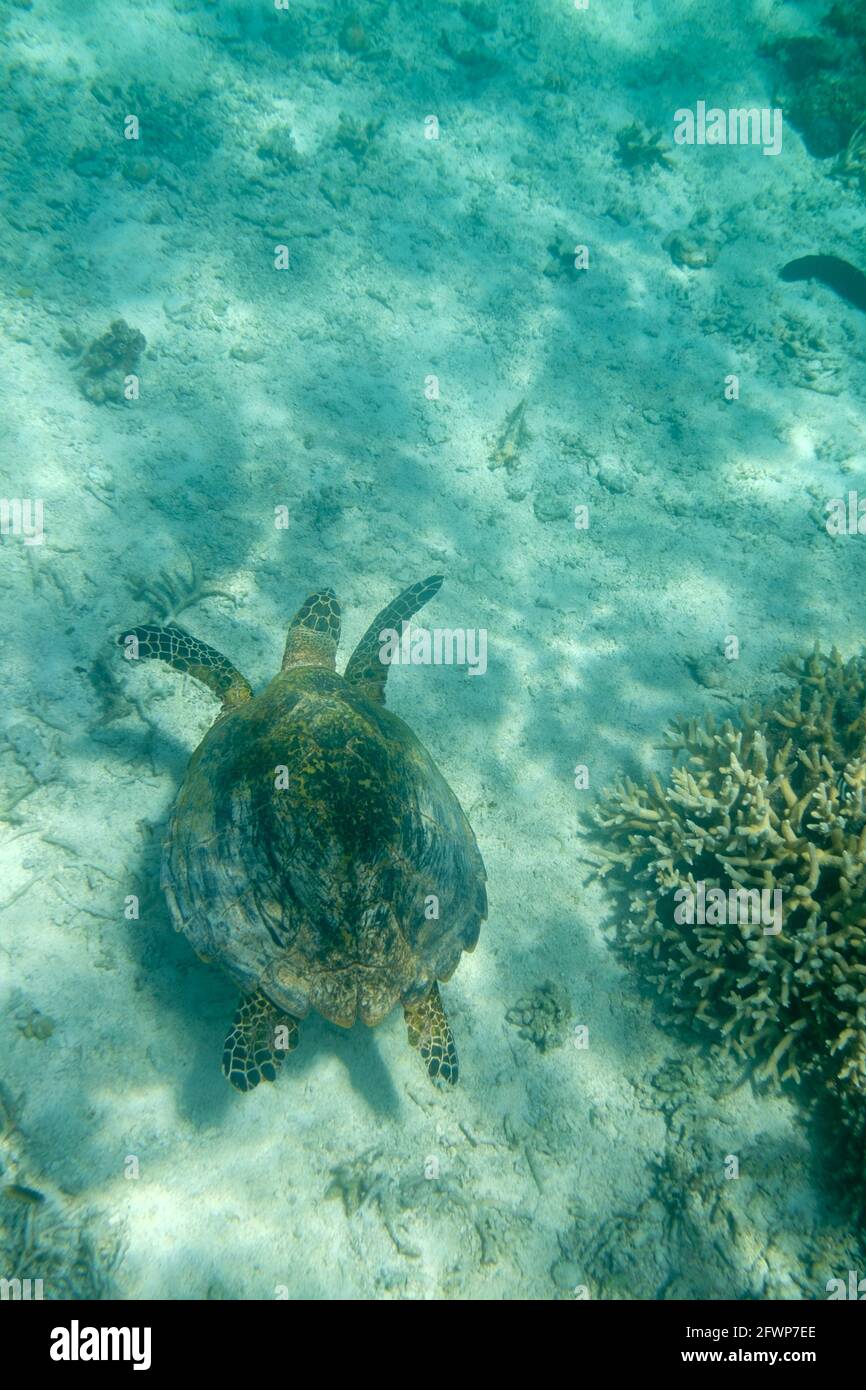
(314, 632)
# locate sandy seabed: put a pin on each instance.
(545, 1172)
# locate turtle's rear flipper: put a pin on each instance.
(430, 1033)
(258, 1040)
(186, 653)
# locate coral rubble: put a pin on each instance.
(543, 1016)
(106, 364)
(51, 1246)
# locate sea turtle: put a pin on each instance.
(315, 851)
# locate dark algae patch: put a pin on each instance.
(839, 275)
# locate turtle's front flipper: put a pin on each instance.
(365, 671)
(257, 1042)
(430, 1033)
(188, 654)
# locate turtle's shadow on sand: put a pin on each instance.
(204, 1095)
(203, 1001)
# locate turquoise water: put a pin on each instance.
(341, 297)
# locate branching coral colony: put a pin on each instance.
(773, 802)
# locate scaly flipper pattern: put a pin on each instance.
(430, 1032)
(186, 653)
(257, 1042)
(314, 632)
(365, 671)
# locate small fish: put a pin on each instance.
(24, 1194)
(512, 437)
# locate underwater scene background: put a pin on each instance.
(300, 296)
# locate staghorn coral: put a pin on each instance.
(773, 801)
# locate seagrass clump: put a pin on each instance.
(772, 801)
